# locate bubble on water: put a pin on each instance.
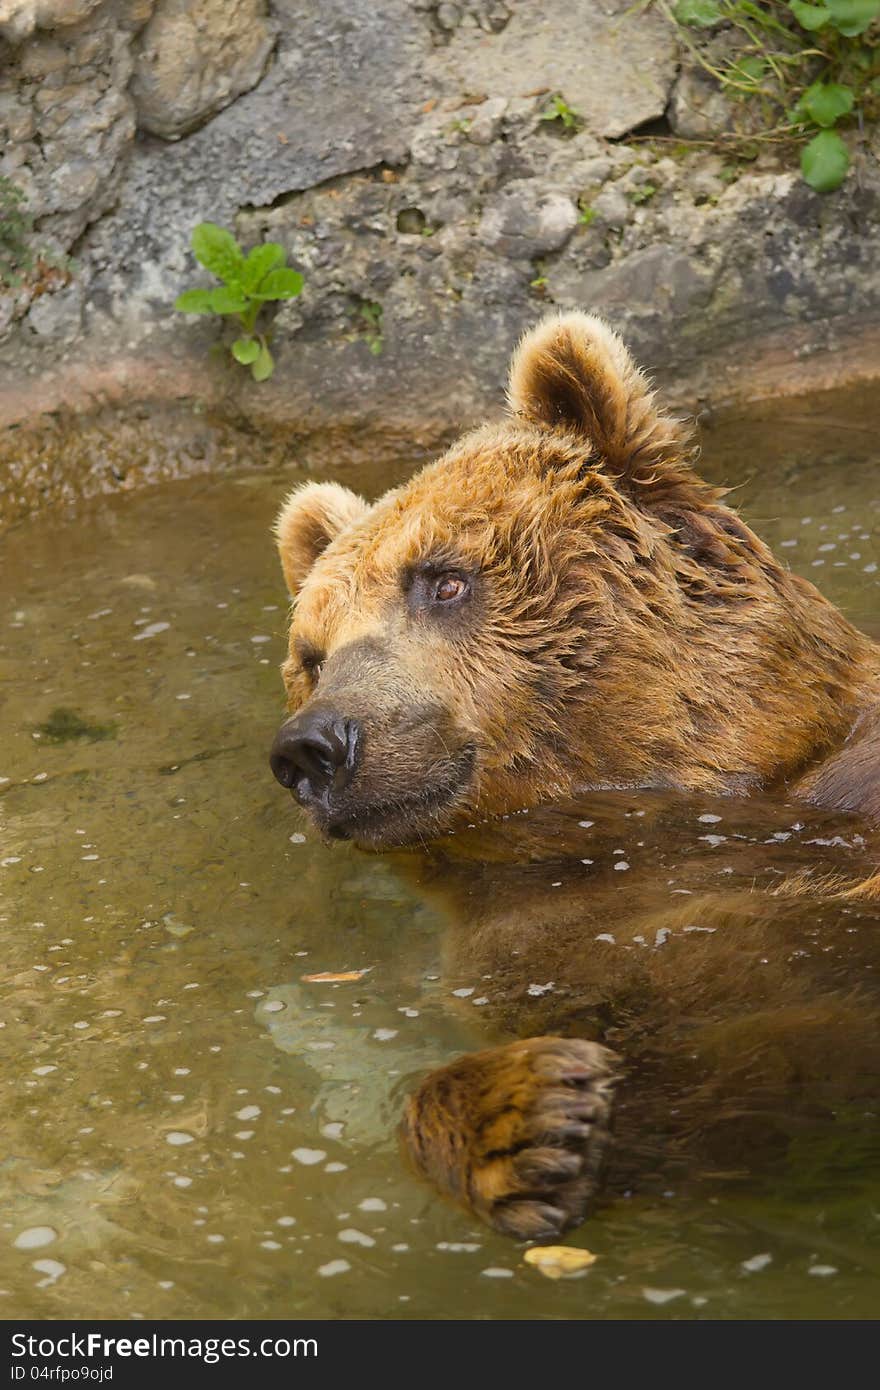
(662, 936)
(183, 1182)
(708, 819)
(151, 630)
(10, 860)
(53, 1269)
(270, 1245)
(33, 1237)
(621, 865)
(273, 1006)
(408, 1013)
(714, 840)
(400, 1248)
(606, 936)
(44, 1071)
(478, 1003)
(333, 1267)
(587, 824)
(259, 638)
(286, 1221)
(308, 1156)
(822, 1271)
(244, 1134)
(352, 1237)
(757, 1263)
(496, 1272)
(297, 839)
(248, 1112)
(457, 1247)
(373, 1204)
(386, 1034)
(661, 1296)
(335, 1167)
(537, 990)
(178, 1137)
(155, 1018)
(463, 993)
(333, 1130)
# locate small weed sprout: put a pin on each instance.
(371, 313)
(812, 65)
(16, 226)
(559, 110)
(248, 282)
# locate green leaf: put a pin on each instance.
(279, 284)
(698, 14)
(810, 17)
(259, 262)
(826, 102)
(750, 69)
(194, 302)
(217, 250)
(227, 300)
(824, 161)
(851, 17)
(263, 366)
(245, 350)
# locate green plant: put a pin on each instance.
(811, 66)
(248, 282)
(642, 193)
(371, 313)
(559, 110)
(16, 226)
(586, 213)
(539, 282)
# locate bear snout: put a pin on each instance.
(315, 753)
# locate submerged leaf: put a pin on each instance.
(559, 1261)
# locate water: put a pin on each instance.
(192, 1129)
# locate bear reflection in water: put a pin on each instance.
(560, 605)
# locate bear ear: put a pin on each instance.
(311, 517)
(573, 373)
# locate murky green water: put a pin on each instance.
(194, 1130)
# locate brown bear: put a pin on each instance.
(560, 604)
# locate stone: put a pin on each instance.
(194, 57)
(527, 220)
(58, 315)
(698, 108)
(485, 124)
(613, 67)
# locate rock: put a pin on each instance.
(59, 315)
(698, 107)
(195, 57)
(615, 69)
(486, 123)
(527, 220)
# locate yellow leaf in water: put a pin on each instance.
(559, 1261)
(329, 977)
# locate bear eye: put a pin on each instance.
(449, 587)
(312, 664)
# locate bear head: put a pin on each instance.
(558, 603)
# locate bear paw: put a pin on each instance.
(517, 1133)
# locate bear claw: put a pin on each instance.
(517, 1133)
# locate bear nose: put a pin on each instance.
(315, 753)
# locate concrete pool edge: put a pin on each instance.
(92, 428)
